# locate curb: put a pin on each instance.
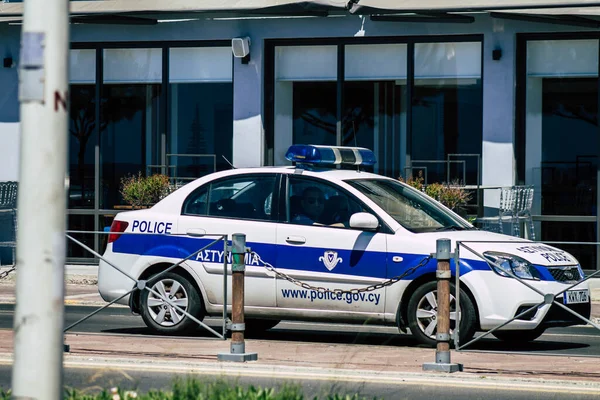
(460, 379)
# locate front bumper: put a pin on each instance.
(557, 316)
(499, 299)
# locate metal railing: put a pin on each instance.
(548, 298)
(142, 284)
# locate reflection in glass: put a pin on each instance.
(201, 133)
(314, 114)
(80, 223)
(82, 142)
(569, 165)
(372, 119)
(447, 119)
(573, 232)
(129, 135)
(447, 111)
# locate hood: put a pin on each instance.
(482, 241)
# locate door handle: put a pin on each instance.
(295, 239)
(196, 232)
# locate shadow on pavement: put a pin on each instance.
(371, 339)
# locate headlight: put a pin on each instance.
(505, 264)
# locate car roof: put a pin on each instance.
(327, 173)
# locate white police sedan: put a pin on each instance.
(337, 229)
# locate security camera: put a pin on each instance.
(240, 47)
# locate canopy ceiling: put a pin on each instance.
(125, 11)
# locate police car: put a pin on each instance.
(331, 228)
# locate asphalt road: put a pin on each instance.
(580, 340)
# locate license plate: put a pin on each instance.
(576, 296)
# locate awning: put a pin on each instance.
(124, 11)
(425, 6)
(187, 6)
(294, 6)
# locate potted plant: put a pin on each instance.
(451, 195)
(144, 191)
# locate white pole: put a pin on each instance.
(43, 84)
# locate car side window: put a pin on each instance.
(313, 202)
(246, 197)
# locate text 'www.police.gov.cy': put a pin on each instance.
(313, 295)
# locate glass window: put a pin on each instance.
(83, 137)
(200, 111)
(313, 202)
(447, 111)
(130, 117)
(409, 207)
(305, 97)
(562, 96)
(80, 223)
(375, 103)
(247, 197)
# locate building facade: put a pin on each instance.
(479, 99)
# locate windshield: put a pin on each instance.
(412, 209)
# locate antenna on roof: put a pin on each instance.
(224, 158)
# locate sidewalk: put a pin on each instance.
(300, 360)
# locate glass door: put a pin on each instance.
(375, 106)
(129, 118)
(562, 142)
(200, 111)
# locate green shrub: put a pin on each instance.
(451, 195)
(141, 191)
(192, 388)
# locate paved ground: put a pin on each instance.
(304, 360)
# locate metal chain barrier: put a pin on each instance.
(5, 274)
(321, 289)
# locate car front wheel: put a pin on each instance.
(161, 316)
(422, 314)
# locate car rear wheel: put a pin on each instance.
(519, 336)
(162, 317)
(422, 314)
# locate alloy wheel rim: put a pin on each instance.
(161, 311)
(427, 314)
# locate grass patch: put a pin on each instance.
(193, 389)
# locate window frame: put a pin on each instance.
(208, 187)
(285, 196)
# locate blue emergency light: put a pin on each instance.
(330, 155)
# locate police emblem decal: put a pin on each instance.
(330, 259)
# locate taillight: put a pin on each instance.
(116, 226)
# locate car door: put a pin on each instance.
(236, 204)
(329, 255)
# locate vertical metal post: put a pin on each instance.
(41, 241)
(238, 268)
(443, 274)
(457, 296)
(225, 258)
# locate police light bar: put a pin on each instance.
(330, 155)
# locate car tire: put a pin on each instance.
(421, 314)
(258, 326)
(163, 318)
(519, 336)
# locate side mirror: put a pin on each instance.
(365, 221)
